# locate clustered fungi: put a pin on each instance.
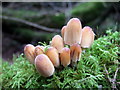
(72, 35)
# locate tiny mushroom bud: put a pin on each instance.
(75, 52)
(39, 50)
(29, 52)
(57, 42)
(44, 66)
(87, 37)
(73, 32)
(63, 31)
(65, 56)
(53, 55)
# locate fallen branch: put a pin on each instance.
(31, 24)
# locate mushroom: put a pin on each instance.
(39, 50)
(63, 31)
(57, 42)
(87, 37)
(29, 52)
(73, 32)
(53, 55)
(75, 52)
(65, 56)
(44, 66)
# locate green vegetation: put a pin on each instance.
(89, 72)
(88, 11)
(29, 34)
(19, 13)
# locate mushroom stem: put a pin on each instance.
(65, 56)
(75, 52)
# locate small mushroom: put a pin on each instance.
(73, 32)
(75, 52)
(87, 37)
(44, 66)
(39, 50)
(65, 56)
(63, 31)
(29, 51)
(57, 42)
(53, 55)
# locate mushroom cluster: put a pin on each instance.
(73, 36)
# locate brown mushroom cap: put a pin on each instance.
(75, 52)
(53, 55)
(65, 56)
(87, 37)
(39, 50)
(57, 42)
(44, 66)
(63, 31)
(73, 32)
(29, 52)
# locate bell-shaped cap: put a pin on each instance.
(63, 31)
(75, 52)
(39, 50)
(44, 66)
(87, 37)
(57, 42)
(53, 55)
(65, 56)
(73, 32)
(29, 51)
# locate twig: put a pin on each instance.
(112, 81)
(107, 74)
(31, 24)
(116, 73)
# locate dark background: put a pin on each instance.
(20, 18)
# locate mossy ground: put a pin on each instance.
(89, 73)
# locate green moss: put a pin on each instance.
(89, 72)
